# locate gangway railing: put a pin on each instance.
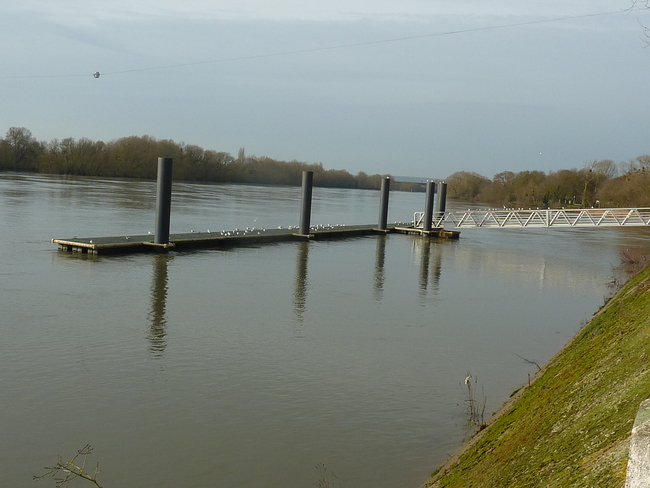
(418, 220)
(509, 218)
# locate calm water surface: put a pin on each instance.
(248, 367)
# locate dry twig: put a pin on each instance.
(65, 471)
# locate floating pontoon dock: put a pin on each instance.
(233, 238)
(162, 240)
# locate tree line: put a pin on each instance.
(137, 157)
(598, 183)
(601, 183)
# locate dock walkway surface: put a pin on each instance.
(211, 239)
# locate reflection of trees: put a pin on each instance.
(158, 313)
(300, 293)
(380, 259)
(632, 260)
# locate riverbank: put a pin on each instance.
(571, 426)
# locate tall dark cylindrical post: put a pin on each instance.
(428, 207)
(383, 205)
(305, 208)
(442, 197)
(441, 200)
(163, 200)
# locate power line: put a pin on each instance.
(97, 74)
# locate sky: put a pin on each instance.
(419, 88)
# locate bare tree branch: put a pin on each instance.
(642, 5)
(646, 34)
(529, 361)
(63, 472)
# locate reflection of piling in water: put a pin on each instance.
(424, 265)
(158, 313)
(300, 293)
(436, 269)
(429, 262)
(380, 259)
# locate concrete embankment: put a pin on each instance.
(638, 462)
(572, 426)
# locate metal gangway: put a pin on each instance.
(548, 217)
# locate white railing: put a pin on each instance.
(508, 218)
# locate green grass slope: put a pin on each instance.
(571, 426)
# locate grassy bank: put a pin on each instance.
(570, 427)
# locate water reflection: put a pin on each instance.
(436, 269)
(632, 258)
(380, 259)
(428, 262)
(300, 292)
(158, 312)
(301, 396)
(425, 253)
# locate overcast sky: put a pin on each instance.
(458, 84)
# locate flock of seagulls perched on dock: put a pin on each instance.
(260, 230)
(249, 231)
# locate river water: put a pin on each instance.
(249, 367)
